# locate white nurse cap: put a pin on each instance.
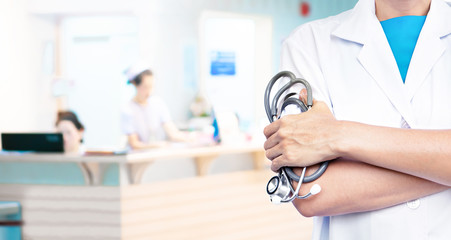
(135, 70)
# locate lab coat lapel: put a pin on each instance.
(376, 56)
(429, 46)
(378, 60)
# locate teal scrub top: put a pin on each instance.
(402, 34)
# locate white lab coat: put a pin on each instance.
(349, 63)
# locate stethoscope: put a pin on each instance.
(280, 188)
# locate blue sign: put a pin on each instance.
(222, 63)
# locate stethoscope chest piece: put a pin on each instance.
(278, 189)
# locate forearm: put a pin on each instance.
(422, 153)
(140, 145)
(136, 144)
(178, 137)
(174, 134)
(349, 187)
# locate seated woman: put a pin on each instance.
(145, 119)
(68, 124)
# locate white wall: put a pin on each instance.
(96, 52)
(25, 99)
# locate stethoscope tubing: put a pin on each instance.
(271, 111)
(309, 178)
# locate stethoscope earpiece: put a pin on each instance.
(280, 188)
(316, 188)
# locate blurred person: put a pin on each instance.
(145, 119)
(72, 129)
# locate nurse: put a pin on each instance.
(381, 77)
(145, 119)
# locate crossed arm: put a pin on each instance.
(383, 166)
(349, 187)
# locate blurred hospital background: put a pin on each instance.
(210, 59)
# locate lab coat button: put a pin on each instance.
(413, 204)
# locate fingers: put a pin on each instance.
(271, 129)
(303, 96)
(316, 103)
(276, 164)
(272, 141)
(274, 152)
(320, 106)
(279, 162)
(277, 131)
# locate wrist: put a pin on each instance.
(341, 146)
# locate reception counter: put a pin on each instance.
(222, 206)
(132, 165)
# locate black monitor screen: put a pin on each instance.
(37, 142)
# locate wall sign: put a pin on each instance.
(222, 63)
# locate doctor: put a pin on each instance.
(145, 119)
(381, 74)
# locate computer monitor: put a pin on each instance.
(36, 142)
(227, 130)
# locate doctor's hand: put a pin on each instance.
(303, 139)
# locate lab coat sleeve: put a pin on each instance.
(300, 56)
